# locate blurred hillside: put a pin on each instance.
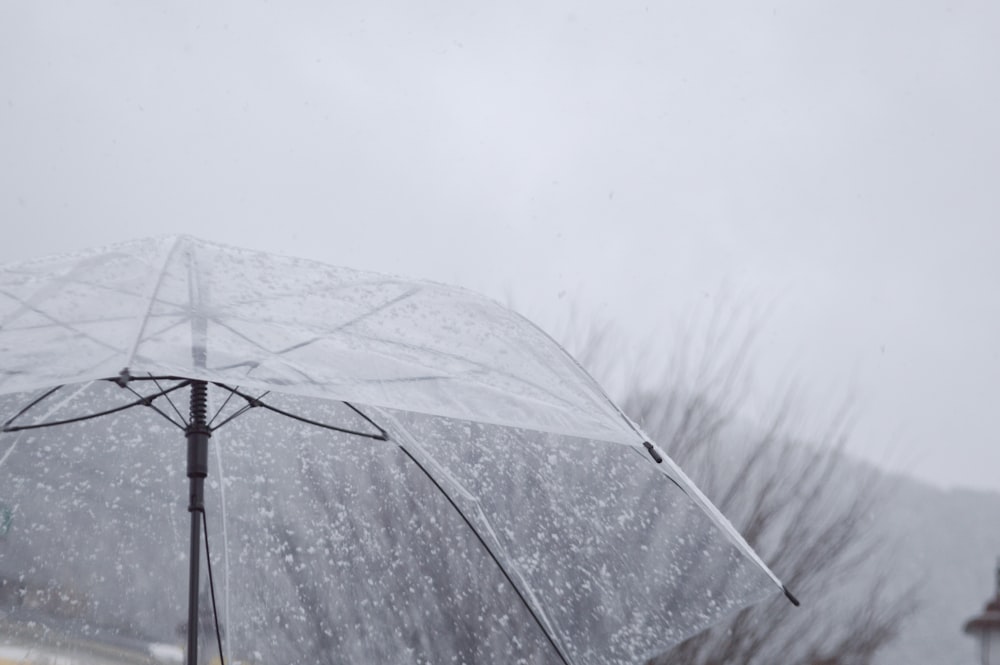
(947, 544)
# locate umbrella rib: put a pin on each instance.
(239, 412)
(78, 419)
(142, 401)
(148, 401)
(491, 553)
(221, 407)
(381, 436)
(367, 419)
(156, 382)
(30, 405)
(256, 402)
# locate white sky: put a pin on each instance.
(834, 164)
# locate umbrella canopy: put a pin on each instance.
(433, 479)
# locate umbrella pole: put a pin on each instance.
(197, 433)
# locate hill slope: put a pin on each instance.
(947, 544)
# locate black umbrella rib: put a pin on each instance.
(30, 405)
(239, 412)
(491, 553)
(221, 407)
(381, 436)
(257, 402)
(142, 401)
(156, 382)
(78, 419)
(148, 401)
(367, 419)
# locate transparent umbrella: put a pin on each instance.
(378, 470)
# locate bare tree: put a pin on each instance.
(799, 501)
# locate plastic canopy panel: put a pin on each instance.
(273, 322)
(490, 506)
(329, 548)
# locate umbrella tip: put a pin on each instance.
(653, 452)
(790, 596)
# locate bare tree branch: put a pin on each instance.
(800, 502)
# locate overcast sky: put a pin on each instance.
(832, 166)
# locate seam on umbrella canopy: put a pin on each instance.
(548, 392)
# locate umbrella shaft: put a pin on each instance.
(197, 493)
(198, 433)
